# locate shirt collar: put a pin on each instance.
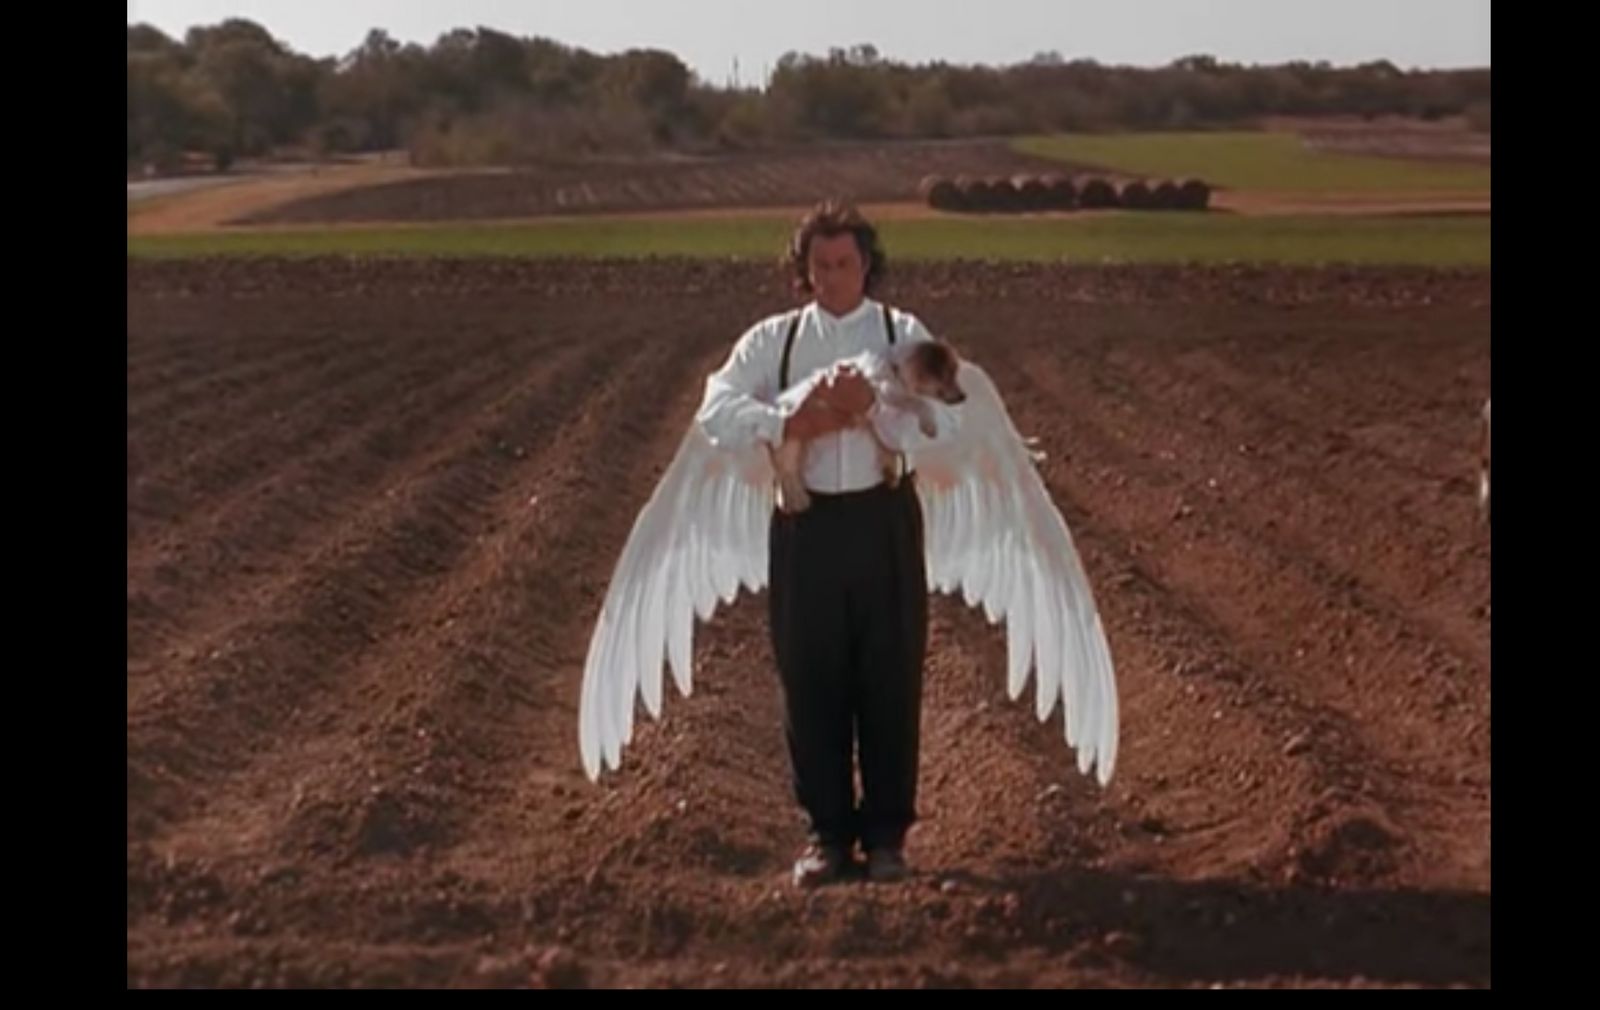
(854, 315)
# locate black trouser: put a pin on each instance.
(849, 615)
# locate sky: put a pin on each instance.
(711, 35)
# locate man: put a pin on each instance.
(848, 590)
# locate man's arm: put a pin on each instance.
(735, 412)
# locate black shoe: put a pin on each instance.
(887, 866)
(821, 864)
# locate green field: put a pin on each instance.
(1266, 162)
(1129, 238)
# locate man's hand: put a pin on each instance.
(816, 417)
(847, 391)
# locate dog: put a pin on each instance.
(910, 376)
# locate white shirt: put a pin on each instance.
(739, 408)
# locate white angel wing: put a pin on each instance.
(702, 534)
(993, 535)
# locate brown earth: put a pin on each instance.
(213, 207)
(258, 201)
(372, 508)
(866, 173)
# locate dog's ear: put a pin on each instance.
(939, 358)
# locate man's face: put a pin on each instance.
(838, 275)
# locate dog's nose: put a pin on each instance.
(958, 397)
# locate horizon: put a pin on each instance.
(724, 50)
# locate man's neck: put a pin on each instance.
(839, 313)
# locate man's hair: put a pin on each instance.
(830, 218)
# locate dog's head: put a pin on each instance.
(929, 368)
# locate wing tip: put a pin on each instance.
(590, 758)
(1103, 774)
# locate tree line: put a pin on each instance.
(479, 96)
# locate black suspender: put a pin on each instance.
(888, 328)
(788, 344)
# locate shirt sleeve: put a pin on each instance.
(738, 408)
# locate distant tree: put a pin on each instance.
(232, 89)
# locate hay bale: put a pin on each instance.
(963, 184)
(1032, 193)
(940, 193)
(1193, 194)
(1135, 195)
(1097, 194)
(975, 194)
(1164, 195)
(1062, 194)
(1003, 196)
